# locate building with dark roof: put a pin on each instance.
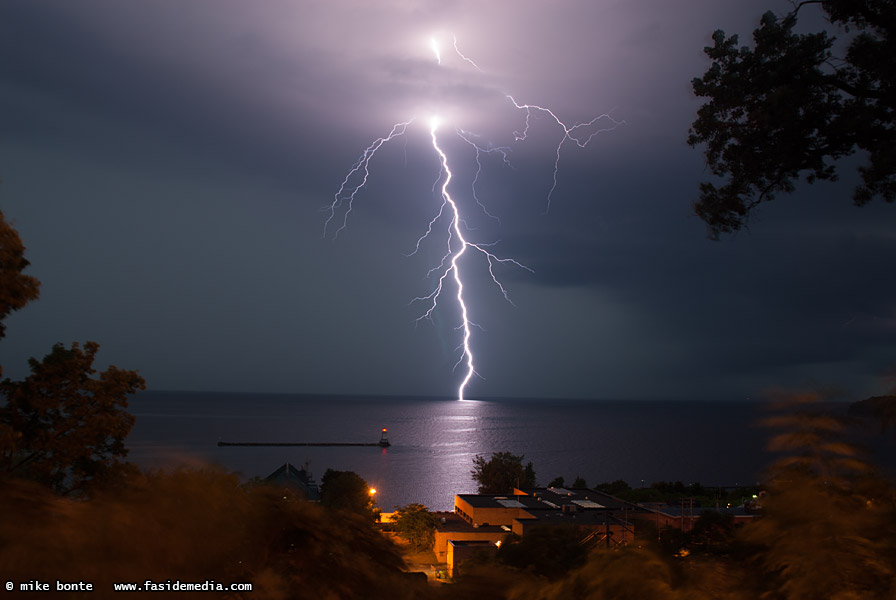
(587, 510)
(295, 479)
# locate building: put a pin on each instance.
(460, 551)
(454, 528)
(600, 517)
(684, 516)
(296, 479)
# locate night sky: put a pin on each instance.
(166, 164)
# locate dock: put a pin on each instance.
(383, 443)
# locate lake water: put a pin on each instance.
(434, 441)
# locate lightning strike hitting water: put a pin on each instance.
(457, 243)
(449, 263)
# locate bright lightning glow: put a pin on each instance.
(449, 267)
(435, 49)
(449, 264)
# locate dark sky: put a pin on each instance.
(166, 164)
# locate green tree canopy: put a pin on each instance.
(501, 473)
(789, 107)
(67, 427)
(416, 524)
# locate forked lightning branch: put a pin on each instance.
(448, 218)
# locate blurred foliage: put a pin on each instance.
(501, 473)
(881, 408)
(195, 525)
(547, 551)
(829, 525)
(632, 574)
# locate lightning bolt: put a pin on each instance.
(434, 45)
(569, 133)
(457, 245)
(449, 263)
(459, 53)
(357, 176)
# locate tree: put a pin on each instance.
(556, 482)
(67, 428)
(501, 473)
(414, 523)
(789, 107)
(613, 488)
(346, 490)
(16, 289)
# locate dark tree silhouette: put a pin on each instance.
(346, 490)
(16, 289)
(67, 428)
(501, 473)
(789, 107)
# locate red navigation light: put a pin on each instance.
(384, 430)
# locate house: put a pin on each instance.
(296, 479)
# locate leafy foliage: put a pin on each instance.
(346, 490)
(416, 524)
(501, 473)
(16, 289)
(789, 107)
(631, 574)
(67, 429)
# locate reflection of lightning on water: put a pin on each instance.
(449, 212)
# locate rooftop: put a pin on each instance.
(582, 498)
